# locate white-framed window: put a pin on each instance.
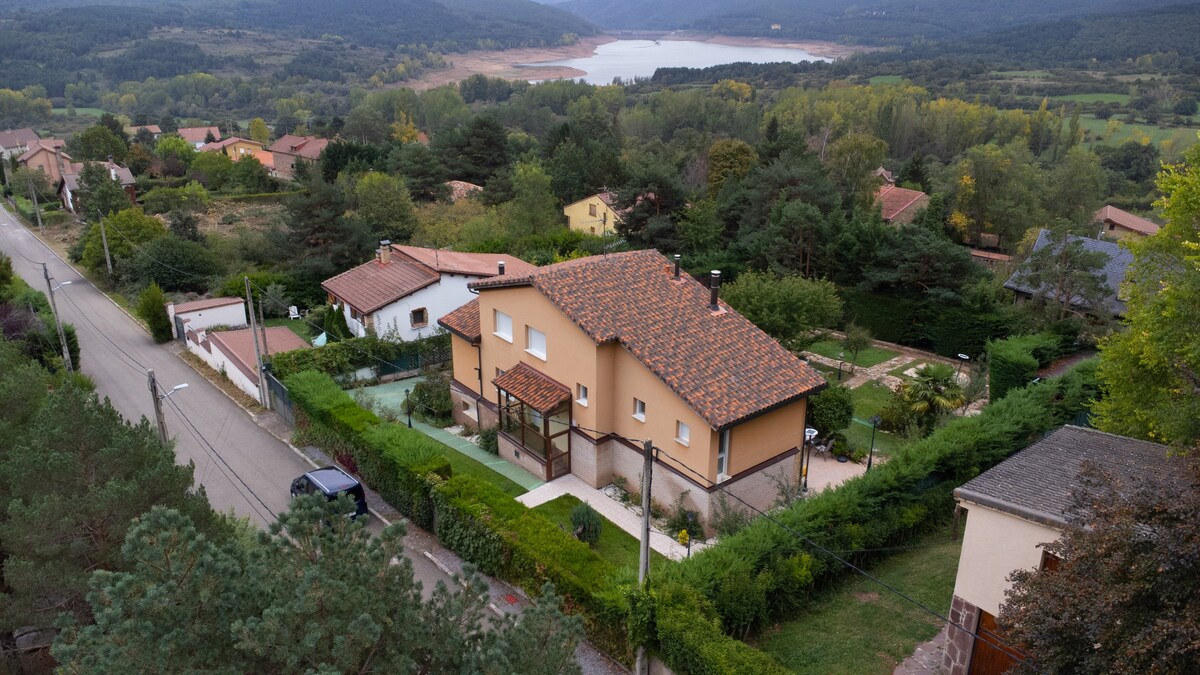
(535, 342)
(683, 433)
(503, 326)
(581, 394)
(419, 317)
(723, 456)
(639, 410)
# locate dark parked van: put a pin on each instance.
(331, 482)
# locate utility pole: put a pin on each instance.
(262, 373)
(62, 337)
(262, 396)
(158, 411)
(37, 212)
(104, 240)
(643, 666)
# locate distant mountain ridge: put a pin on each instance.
(865, 21)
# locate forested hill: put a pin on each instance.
(372, 23)
(867, 21)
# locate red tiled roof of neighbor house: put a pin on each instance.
(895, 199)
(208, 303)
(152, 128)
(990, 256)
(1126, 220)
(375, 284)
(47, 144)
(308, 147)
(198, 134)
(18, 138)
(470, 264)
(464, 321)
(718, 362)
(535, 389)
(238, 345)
(266, 158)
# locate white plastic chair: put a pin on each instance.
(293, 313)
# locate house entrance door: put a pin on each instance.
(987, 658)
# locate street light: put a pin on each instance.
(158, 399)
(408, 408)
(841, 360)
(964, 358)
(62, 337)
(875, 420)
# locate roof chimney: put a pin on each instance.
(500, 267)
(677, 257)
(715, 285)
(385, 252)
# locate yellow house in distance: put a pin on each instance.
(234, 148)
(593, 215)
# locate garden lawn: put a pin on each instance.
(616, 545)
(899, 371)
(860, 627)
(871, 356)
(870, 398)
(299, 327)
(463, 465)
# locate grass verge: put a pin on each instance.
(871, 356)
(860, 627)
(616, 545)
(461, 464)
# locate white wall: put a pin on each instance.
(199, 344)
(439, 299)
(994, 545)
(232, 315)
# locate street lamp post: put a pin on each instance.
(408, 409)
(875, 420)
(841, 360)
(158, 399)
(963, 358)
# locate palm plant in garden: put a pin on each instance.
(935, 392)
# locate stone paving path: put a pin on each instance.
(926, 659)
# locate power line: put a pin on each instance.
(138, 365)
(31, 261)
(1009, 650)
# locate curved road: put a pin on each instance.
(241, 466)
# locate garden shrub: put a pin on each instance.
(430, 399)
(586, 523)
(894, 502)
(488, 442)
(690, 639)
(831, 410)
(152, 308)
(339, 358)
(190, 197)
(1014, 362)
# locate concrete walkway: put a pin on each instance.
(393, 394)
(926, 659)
(614, 511)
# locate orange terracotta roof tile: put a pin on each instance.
(719, 362)
(533, 388)
(895, 199)
(470, 264)
(464, 321)
(1126, 220)
(373, 284)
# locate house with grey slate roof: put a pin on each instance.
(1113, 272)
(1013, 509)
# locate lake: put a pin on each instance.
(627, 59)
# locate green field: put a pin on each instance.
(860, 627)
(886, 79)
(94, 112)
(1180, 138)
(1122, 99)
(1022, 74)
(616, 545)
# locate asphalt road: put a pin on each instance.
(241, 466)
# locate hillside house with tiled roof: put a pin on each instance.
(1117, 224)
(1015, 507)
(1116, 265)
(596, 214)
(574, 361)
(404, 290)
(198, 136)
(289, 150)
(900, 205)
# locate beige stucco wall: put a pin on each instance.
(762, 438)
(994, 545)
(580, 218)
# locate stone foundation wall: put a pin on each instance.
(469, 412)
(511, 450)
(959, 643)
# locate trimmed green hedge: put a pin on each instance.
(690, 639)
(1014, 362)
(765, 573)
(339, 358)
(471, 517)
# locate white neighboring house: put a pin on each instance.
(1015, 507)
(204, 314)
(405, 290)
(232, 352)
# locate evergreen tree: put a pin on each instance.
(152, 308)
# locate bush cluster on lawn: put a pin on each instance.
(1014, 362)
(764, 573)
(473, 518)
(346, 356)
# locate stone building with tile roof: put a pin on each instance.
(404, 290)
(899, 205)
(1113, 272)
(1015, 507)
(578, 360)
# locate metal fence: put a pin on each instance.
(280, 401)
